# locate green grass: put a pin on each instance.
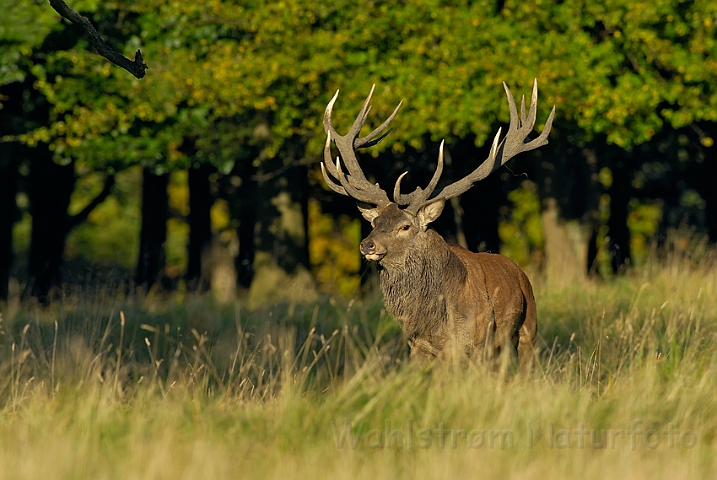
(625, 387)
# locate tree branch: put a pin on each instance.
(75, 220)
(136, 67)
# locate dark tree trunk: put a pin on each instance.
(49, 187)
(568, 185)
(245, 233)
(281, 255)
(702, 178)
(593, 253)
(200, 225)
(709, 193)
(8, 215)
(620, 193)
(481, 204)
(153, 234)
(23, 109)
(239, 189)
(481, 214)
(281, 222)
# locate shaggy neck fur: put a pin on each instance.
(414, 287)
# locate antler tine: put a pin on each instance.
(347, 188)
(358, 193)
(514, 118)
(355, 183)
(514, 142)
(543, 137)
(361, 117)
(501, 151)
(533, 110)
(328, 127)
(335, 171)
(398, 197)
(418, 198)
(371, 139)
(332, 169)
(328, 161)
(331, 184)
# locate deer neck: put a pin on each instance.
(416, 290)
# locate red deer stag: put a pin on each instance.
(446, 299)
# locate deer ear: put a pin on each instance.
(368, 213)
(430, 212)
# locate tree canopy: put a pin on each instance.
(221, 70)
(246, 82)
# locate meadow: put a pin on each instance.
(106, 385)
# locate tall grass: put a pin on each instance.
(104, 386)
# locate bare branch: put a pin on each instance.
(76, 220)
(137, 67)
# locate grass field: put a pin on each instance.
(104, 386)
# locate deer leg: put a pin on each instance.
(489, 350)
(526, 344)
(422, 351)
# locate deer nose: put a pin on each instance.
(368, 247)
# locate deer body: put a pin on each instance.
(447, 299)
(474, 314)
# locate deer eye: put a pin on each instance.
(405, 227)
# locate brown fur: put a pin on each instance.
(447, 299)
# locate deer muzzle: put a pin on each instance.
(371, 250)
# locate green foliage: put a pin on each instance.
(177, 227)
(521, 232)
(643, 221)
(217, 70)
(110, 236)
(24, 25)
(333, 250)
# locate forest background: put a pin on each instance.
(205, 174)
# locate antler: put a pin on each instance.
(500, 152)
(353, 184)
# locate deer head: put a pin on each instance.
(403, 223)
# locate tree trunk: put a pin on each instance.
(620, 192)
(281, 255)
(240, 192)
(481, 207)
(200, 225)
(245, 234)
(702, 179)
(481, 204)
(49, 187)
(153, 233)
(709, 193)
(566, 246)
(8, 215)
(568, 183)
